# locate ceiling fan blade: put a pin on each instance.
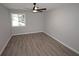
(42, 9)
(39, 10)
(34, 8)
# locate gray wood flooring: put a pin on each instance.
(38, 44)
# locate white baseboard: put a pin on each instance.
(27, 33)
(62, 43)
(5, 45)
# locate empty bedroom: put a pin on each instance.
(39, 29)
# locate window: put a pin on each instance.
(18, 20)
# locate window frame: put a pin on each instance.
(18, 25)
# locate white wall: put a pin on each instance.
(63, 24)
(5, 27)
(34, 23)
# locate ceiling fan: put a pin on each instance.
(37, 9)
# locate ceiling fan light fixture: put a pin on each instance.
(35, 11)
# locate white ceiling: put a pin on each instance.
(25, 6)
